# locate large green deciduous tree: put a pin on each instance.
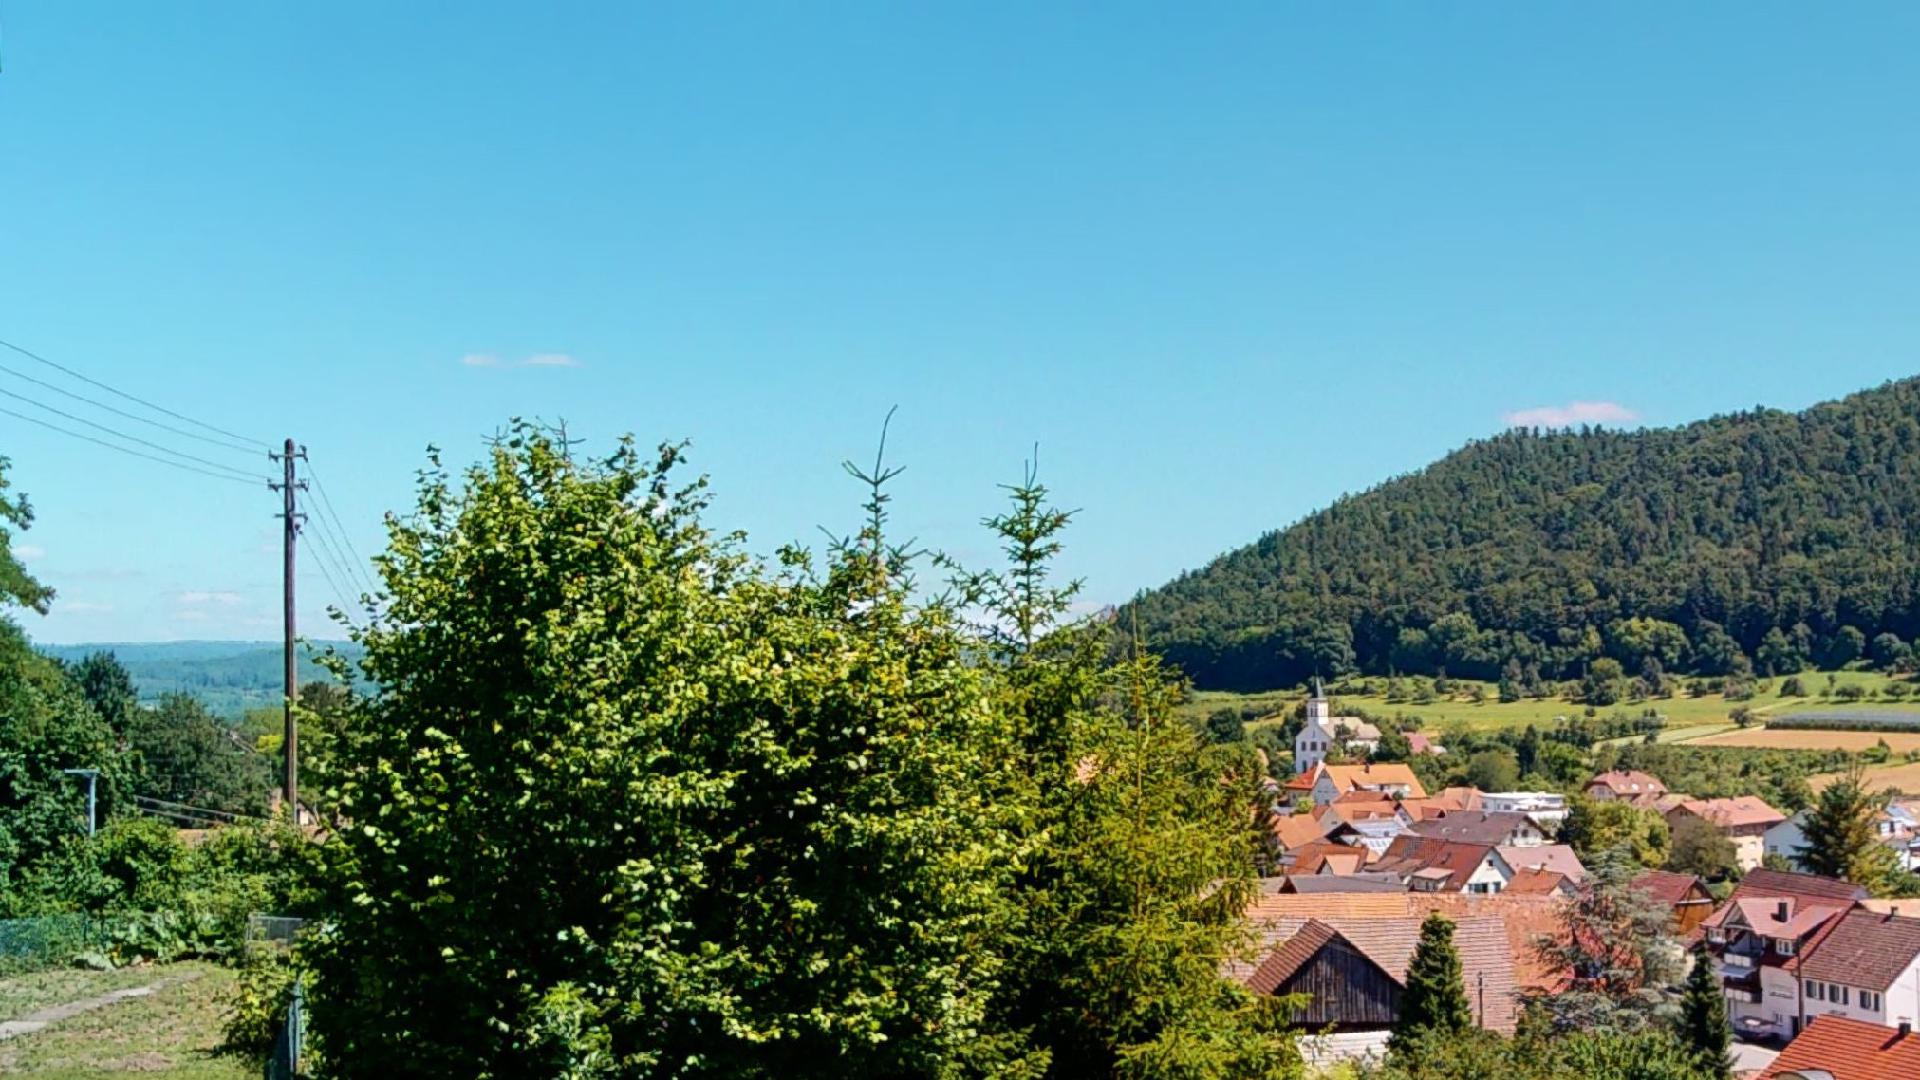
(46, 726)
(628, 805)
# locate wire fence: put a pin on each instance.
(48, 941)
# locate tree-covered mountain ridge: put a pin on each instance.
(1763, 539)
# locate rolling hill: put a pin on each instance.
(229, 677)
(1762, 539)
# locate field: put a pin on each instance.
(1705, 714)
(169, 1035)
(1811, 739)
(1903, 778)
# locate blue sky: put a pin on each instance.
(1222, 262)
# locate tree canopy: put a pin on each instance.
(1763, 539)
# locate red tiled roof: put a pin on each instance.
(1761, 881)
(1534, 881)
(1348, 777)
(1848, 1050)
(1409, 853)
(1296, 830)
(1628, 783)
(1667, 887)
(1864, 949)
(1732, 813)
(1559, 858)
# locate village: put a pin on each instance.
(1809, 966)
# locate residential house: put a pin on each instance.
(1354, 974)
(1537, 881)
(1418, 742)
(1547, 808)
(1897, 826)
(1299, 786)
(1395, 779)
(1865, 967)
(1360, 881)
(1327, 857)
(1482, 827)
(1758, 937)
(1427, 864)
(1684, 894)
(1744, 820)
(1558, 858)
(1629, 786)
(1835, 1048)
(1323, 733)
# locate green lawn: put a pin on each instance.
(1696, 716)
(170, 1035)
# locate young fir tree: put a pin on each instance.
(1435, 1001)
(1145, 844)
(1841, 839)
(1703, 1016)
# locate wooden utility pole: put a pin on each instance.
(290, 517)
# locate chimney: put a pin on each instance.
(1906, 1028)
(1780, 912)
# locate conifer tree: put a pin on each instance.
(1703, 1015)
(1840, 837)
(1435, 1001)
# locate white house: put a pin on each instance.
(1896, 827)
(1323, 732)
(1866, 968)
(1547, 808)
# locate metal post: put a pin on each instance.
(93, 779)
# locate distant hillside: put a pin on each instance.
(228, 676)
(1771, 538)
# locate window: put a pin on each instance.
(1840, 994)
(1784, 946)
(1814, 992)
(1870, 1000)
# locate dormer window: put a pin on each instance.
(1784, 946)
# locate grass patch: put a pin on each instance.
(1704, 715)
(171, 1035)
(23, 994)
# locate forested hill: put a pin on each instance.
(228, 677)
(1765, 538)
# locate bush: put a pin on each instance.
(257, 1004)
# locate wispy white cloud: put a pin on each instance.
(29, 552)
(82, 607)
(1572, 414)
(201, 598)
(551, 359)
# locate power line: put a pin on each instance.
(122, 412)
(124, 450)
(359, 565)
(325, 555)
(141, 401)
(321, 564)
(239, 473)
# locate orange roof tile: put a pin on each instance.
(1349, 777)
(1848, 1050)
